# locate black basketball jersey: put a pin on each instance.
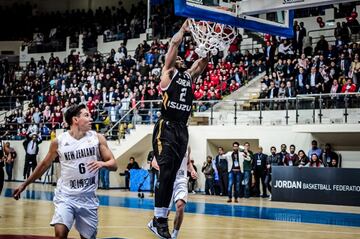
(178, 98)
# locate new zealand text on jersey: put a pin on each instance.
(81, 153)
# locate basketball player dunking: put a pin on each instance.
(80, 151)
(170, 136)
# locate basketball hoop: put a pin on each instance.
(211, 36)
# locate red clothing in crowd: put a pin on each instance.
(348, 88)
(91, 106)
(234, 86)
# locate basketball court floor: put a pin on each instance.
(124, 215)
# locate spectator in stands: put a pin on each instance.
(36, 116)
(44, 131)
(300, 81)
(328, 155)
(314, 81)
(355, 69)
(208, 171)
(31, 146)
(259, 169)
(270, 57)
(349, 87)
(298, 40)
(345, 33)
(291, 159)
(315, 162)
(131, 165)
(302, 158)
(322, 45)
(337, 30)
(272, 93)
(344, 65)
(315, 150)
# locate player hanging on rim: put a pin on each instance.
(180, 190)
(170, 136)
(80, 152)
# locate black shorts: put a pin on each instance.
(170, 140)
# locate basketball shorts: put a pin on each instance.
(79, 210)
(180, 191)
(170, 140)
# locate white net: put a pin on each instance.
(211, 37)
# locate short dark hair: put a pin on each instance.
(314, 142)
(292, 146)
(236, 143)
(220, 148)
(73, 111)
(272, 147)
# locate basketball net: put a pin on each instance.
(211, 37)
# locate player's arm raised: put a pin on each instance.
(40, 169)
(198, 67)
(108, 162)
(171, 55)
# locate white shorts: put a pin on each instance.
(180, 191)
(79, 209)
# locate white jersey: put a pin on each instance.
(181, 174)
(74, 156)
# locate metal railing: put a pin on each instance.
(303, 109)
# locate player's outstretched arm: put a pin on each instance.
(108, 162)
(198, 67)
(40, 169)
(171, 55)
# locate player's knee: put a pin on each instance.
(180, 206)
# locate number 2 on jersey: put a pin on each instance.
(183, 94)
(82, 168)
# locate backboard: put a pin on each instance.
(227, 12)
(268, 16)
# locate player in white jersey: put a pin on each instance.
(180, 190)
(82, 153)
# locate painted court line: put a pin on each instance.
(239, 211)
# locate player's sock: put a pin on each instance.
(174, 234)
(160, 212)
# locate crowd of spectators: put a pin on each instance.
(40, 29)
(110, 85)
(240, 172)
(299, 69)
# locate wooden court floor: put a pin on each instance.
(123, 215)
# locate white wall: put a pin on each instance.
(203, 139)
(11, 46)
